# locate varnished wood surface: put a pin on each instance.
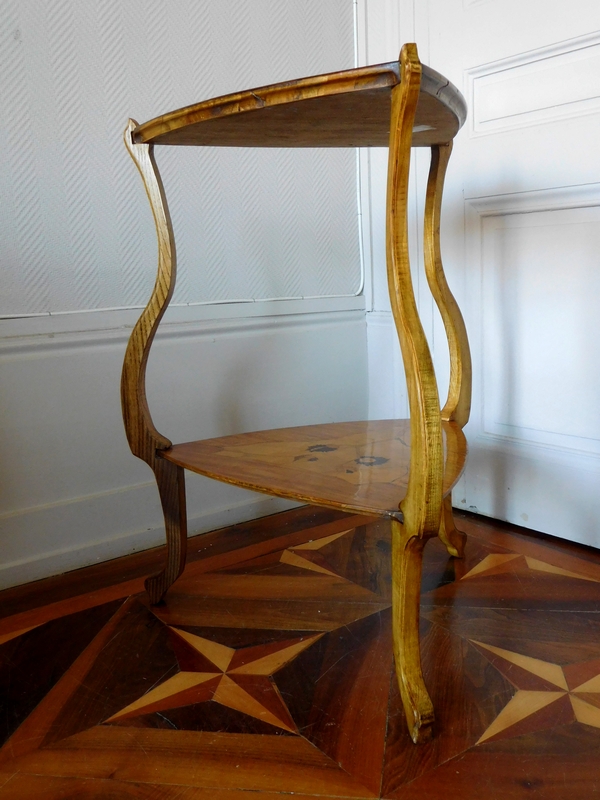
(340, 109)
(93, 704)
(358, 467)
(458, 403)
(354, 466)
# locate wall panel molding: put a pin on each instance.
(105, 526)
(555, 82)
(176, 327)
(536, 322)
(71, 493)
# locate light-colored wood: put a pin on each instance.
(407, 559)
(522, 705)
(142, 435)
(458, 403)
(449, 534)
(170, 480)
(552, 673)
(218, 654)
(353, 466)
(400, 469)
(341, 109)
(422, 505)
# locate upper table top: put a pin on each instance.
(340, 109)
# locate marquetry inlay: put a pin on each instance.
(547, 694)
(497, 563)
(269, 670)
(239, 679)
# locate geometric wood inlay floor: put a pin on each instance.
(269, 671)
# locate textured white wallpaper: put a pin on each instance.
(75, 228)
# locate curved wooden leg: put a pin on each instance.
(454, 539)
(407, 556)
(171, 488)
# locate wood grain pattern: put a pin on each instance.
(143, 437)
(516, 690)
(341, 109)
(223, 761)
(19, 786)
(34, 730)
(354, 466)
(43, 598)
(25, 679)
(458, 403)
(144, 440)
(422, 504)
(397, 469)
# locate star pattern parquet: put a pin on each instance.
(269, 670)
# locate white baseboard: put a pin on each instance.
(105, 513)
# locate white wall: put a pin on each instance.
(520, 232)
(383, 26)
(77, 249)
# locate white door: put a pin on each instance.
(521, 239)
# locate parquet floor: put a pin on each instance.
(269, 671)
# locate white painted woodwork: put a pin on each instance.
(73, 494)
(554, 82)
(520, 242)
(78, 255)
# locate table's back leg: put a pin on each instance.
(458, 403)
(454, 539)
(144, 439)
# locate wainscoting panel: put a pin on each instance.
(72, 493)
(549, 83)
(534, 258)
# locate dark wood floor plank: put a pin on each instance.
(28, 672)
(348, 715)
(208, 551)
(137, 655)
(310, 587)
(532, 590)
(39, 616)
(566, 555)
(185, 758)
(213, 556)
(292, 615)
(89, 580)
(502, 631)
(498, 776)
(286, 615)
(479, 525)
(38, 787)
(560, 637)
(467, 694)
(34, 730)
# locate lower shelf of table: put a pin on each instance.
(355, 466)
